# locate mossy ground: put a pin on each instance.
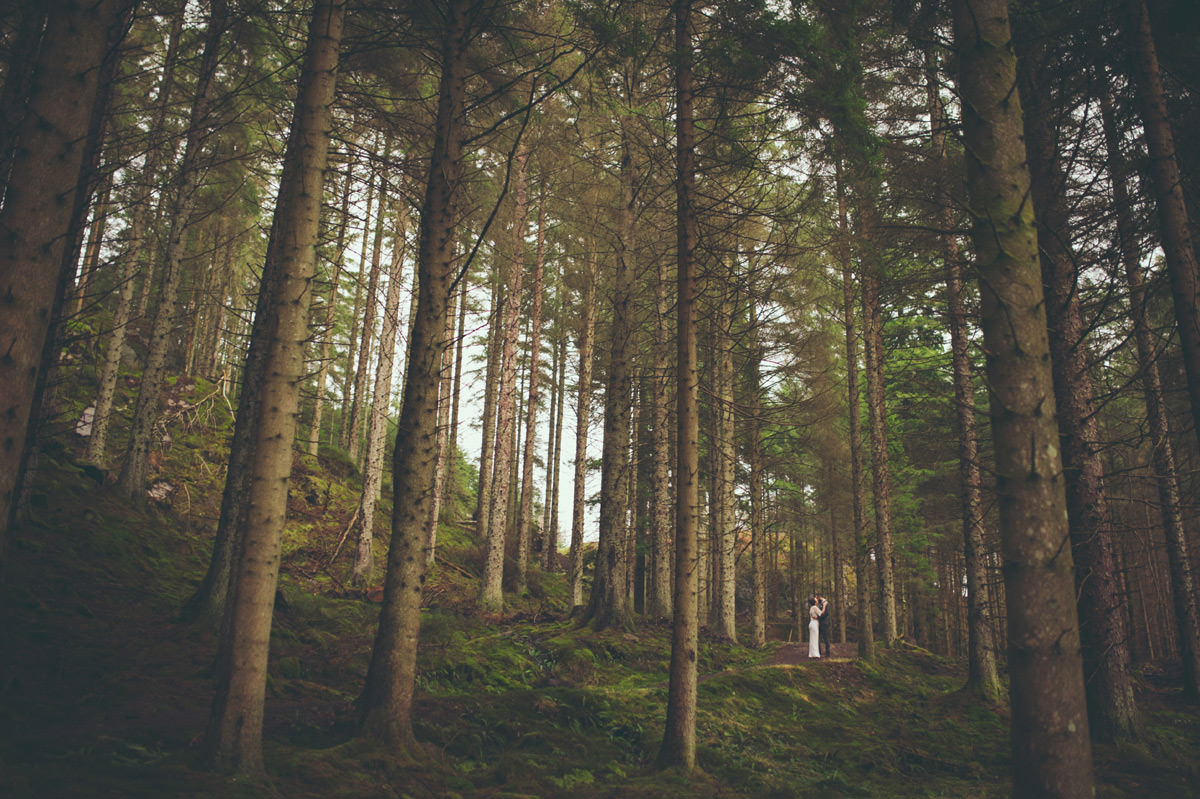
(103, 693)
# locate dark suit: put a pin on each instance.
(823, 621)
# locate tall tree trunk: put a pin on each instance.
(37, 214)
(1183, 585)
(1052, 754)
(862, 568)
(755, 458)
(607, 606)
(21, 67)
(360, 403)
(349, 397)
(1112, 712)
(491, 594)
(136, 464)
(381, 396)
(91, 252)
(983, 678)
(725, 536)
(331, 304)
(487, 447)
(233, 741)
(679, 737)
(583, 403)
(131, 259)
(658, 605)
(386, 701)
(1177, 243)
(445, 390)
(881, 470)
(553, 449)
(525, 516)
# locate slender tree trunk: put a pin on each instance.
(491, 595)
(349, 395)
(445, 389)
(659, 602)
(37, 213)
(725, 536)
(91, 252)
(1052, 755)
(525, 516)
(1112, 712)
(361, 403)
(339, 257)
(583, 405)
(233, 741)
(381, 396)
(136, 464)
(881, 470)
(131, 259)
(755, 457)
(1183, 586)
(386, 701)
(487, 448)
(1177, 242)
(679, 738)
(607, 606)
(862, 568)
(550, 517)
(983, 678)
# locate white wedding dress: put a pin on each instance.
(814, 633)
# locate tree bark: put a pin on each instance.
(553, 453)
(1052, 754)
(361, 402)
(233, 741)
(36, 216)
(679, 738)
(349, 397)
(658, 605)
(756, 457)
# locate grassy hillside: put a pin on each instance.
(103, 693)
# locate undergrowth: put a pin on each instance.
(104, 693)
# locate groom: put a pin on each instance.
(823, 621)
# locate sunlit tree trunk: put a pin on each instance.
(553, 452)
(725, 535)
(349, 397)
(233, 741)
(755, 458)
(136, 464)
(1052, 755)
(487, 448)
(679, 737)
(445, 411)
(1183, 586)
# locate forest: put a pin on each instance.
(470, 397)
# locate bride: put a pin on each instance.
(814, 628)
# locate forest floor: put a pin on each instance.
(104, 693)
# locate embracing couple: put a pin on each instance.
(818, 626)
